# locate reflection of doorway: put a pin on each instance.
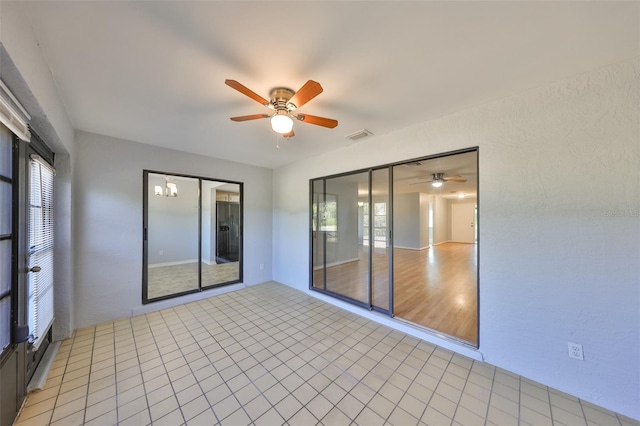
(463, 218)
(227, 226)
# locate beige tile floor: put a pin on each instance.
(271, 355)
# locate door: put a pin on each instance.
(11, 354)
(381, 249)
(228, 231)
(223, 230)
(26, 264)
(463, 218)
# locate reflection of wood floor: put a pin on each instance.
(173, 279)
(435, 288)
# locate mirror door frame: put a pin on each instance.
(145, 234)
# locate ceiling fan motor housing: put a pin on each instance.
(280, 97)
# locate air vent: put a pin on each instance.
(359, 134)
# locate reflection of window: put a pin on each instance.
(40, 256)
(365, 224)
(379, 224)
(327, 213)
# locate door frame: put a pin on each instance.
(35, 147)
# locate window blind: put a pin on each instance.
(40, 254)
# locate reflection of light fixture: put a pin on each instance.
(438, 180)
(461, 195)
(170, 189)
(360, 204)
(281, 122)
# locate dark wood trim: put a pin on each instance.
(145, 230)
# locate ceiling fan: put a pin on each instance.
(438, 179)
(284, 102)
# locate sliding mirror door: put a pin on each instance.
(340, 259)
(318, 233)
(193, 234)
(172, 235)
(379, 229)
(220, 232)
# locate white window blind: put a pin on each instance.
(40, 257)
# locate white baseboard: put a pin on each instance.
(340, 262)
(411, 248)
(442, 242)
(179, 262)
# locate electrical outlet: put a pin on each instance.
(161, 252)
(261, 266)
(575, 351)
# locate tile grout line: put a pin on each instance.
(493, 381)
(144, 387)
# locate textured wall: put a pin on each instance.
(559, 226)
(108, 224)
(24, 70)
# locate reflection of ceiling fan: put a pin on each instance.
(438, 179)
(284, 102)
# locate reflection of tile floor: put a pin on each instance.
(165, 280)
(271, 355)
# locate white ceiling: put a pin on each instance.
(154, 72)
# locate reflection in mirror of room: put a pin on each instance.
(183, 255)
(433, 225)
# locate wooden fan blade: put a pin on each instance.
(319, 121)
(246, 91)
(452, 177)
(308, 91)
(455, 180)
(250, 117)
(289, 135)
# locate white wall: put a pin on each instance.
(411, 220)
(406, 209)
(425, 199)
(108, 225)
(441, 216)
(559, 244)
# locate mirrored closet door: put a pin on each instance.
(192, 234)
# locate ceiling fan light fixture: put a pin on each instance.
(281, 122)
(437, 183)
